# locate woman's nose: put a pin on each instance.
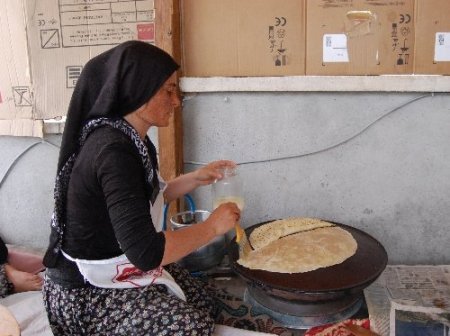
(176, 100)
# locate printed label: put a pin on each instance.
(105, 22)
(442, 47)
(277, 35)
(73, 72)
(22, 96)
(49, 38)
(146, 31)
(335, 48)
(401, 38)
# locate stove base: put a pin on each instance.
(303, 315)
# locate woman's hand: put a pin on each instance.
(212, 171)
(180, 243)
(185, 183)
(224, 218)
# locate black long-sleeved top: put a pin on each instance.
(3, 252)
(108, 210)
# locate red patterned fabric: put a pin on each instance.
(338, 329)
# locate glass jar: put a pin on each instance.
(228, 189)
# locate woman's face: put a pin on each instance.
(158, 110)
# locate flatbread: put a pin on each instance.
(303, 252)
(265, 234)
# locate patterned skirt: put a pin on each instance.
(150, 310)
(6, 287)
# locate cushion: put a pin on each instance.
(8, 324)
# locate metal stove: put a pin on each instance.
(300, 314)
(326, 295)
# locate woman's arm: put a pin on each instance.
(121, 176)
(184, 184)
(118, 171)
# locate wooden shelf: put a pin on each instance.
(384, 83)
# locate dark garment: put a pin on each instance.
(111, 86)
(149, 310)
(6, 287)
(152, 310)
(3, 252)
(108, 210)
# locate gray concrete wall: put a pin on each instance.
(376, 161)
(379, 162)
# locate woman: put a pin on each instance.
(110, 268)
(12, 280)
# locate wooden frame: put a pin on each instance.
(170, 139)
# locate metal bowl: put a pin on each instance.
(206, 256)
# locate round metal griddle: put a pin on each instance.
(329, 283)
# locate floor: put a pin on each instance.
(236, 286)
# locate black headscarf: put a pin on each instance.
(111, 85)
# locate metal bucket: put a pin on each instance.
(206, 256)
